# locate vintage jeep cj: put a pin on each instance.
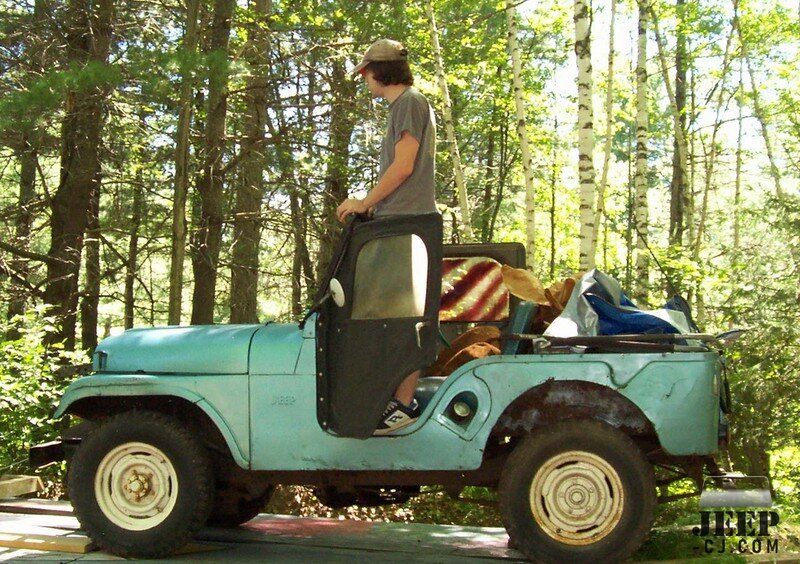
(180, 427)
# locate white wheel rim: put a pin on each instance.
(136, 486)
(577, 498)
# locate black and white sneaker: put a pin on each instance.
(397, 416)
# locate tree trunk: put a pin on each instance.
(88, 36)
(712, 150)
(131, 267)
(503, 170)
(640, 178)
(758, 111)
(554, 173)
(91, 293)
(522, 132)
(737, 196)
(678, 185)
(583, 54)
(447, 113)
(22, 232)
(178, 251)
(28, 154)
(343, 121)
(489, 181)
(601, 189)
(208, 237)
(678, 123)
(247, 218)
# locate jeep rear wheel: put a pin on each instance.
(141, 485)
(577, 491)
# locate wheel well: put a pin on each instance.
(101, 407)
(555, 401)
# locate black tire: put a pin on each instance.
(232, 507)
(577, 491)
(141, 485)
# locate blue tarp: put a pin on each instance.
(598, 306)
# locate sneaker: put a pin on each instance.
(396, 416)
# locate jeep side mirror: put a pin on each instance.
(337, 292)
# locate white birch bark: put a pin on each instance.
(641, 214)
(737, 197)
(712, 151)
(178, 252)
(447, 113)
(601, 188)
(758, 111)
(522, 132)
(583, 53)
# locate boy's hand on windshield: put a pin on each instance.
(350, 205)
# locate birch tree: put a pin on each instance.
(522, 132)
(447, 113)
(713, 144)
(601, 189)
(640, 177)
(583, 53)
(758, 111)
(737, 196)
(178, 251)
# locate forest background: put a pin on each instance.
(180, 162)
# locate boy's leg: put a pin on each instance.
(405, 391)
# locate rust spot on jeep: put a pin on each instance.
(554, 401)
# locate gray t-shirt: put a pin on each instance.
(410, 112)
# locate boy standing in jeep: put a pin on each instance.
(406, 179)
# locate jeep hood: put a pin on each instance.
(199, 349)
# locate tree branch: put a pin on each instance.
(28, 254)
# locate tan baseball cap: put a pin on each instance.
(382, 50)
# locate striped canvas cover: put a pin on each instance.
(473, 290)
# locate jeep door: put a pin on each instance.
(387, 324)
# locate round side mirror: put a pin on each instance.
(337, 292)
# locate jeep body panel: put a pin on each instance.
(224, 398)
(264, 349)
(268, 417)
(677, 392)
(277, 349)
(204, 349)
(283, 439)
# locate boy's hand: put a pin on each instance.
(350, 205)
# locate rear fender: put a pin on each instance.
(555, 401)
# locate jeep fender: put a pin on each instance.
(102, 387)
(674, 397)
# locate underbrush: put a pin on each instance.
(30, 388)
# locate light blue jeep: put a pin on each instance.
(184, 426)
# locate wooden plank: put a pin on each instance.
(12, 486)
(35, 507)
(75, 545)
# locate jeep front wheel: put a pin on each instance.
(141, 485)
(578, 491)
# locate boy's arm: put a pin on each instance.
(405, 155)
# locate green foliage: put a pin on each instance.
(30, 388)
(475, 507)
(22, 108)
